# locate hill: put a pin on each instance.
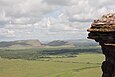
(20, 44)
(23, 44)
(83, 42)
(60, 43)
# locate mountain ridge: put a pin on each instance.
(21, 43)
(35, 43)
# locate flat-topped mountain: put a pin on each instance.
(23, 44)
(20, 43)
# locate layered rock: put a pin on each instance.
(103, 31)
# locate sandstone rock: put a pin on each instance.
(103, 31)
(105, 24)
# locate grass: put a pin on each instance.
(36, 53)
(84, 65)
(84, 58)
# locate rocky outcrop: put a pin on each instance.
(103, 31)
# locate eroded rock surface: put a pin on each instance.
(103, 31)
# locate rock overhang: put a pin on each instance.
(103, 29)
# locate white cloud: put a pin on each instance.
(6, 32)
(57, 2)
(68, 18)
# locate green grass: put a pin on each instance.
(83, 58)
(84, 65)
(36, 53)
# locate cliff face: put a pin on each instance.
(103, 31)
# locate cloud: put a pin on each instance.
(25, 8)
(57, 2)
(68, 18)
(27, 11)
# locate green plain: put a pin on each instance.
(84, 65)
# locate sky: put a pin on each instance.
(50, 19)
